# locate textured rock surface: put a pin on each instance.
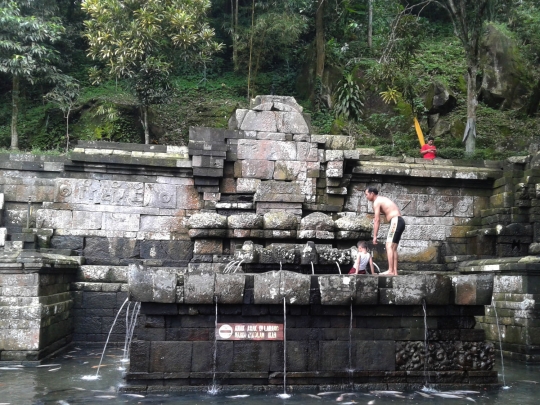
(280, 220)
(245, 221)
(207, 220)
(354, 223)
(317, 222)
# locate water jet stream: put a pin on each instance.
(339, 268)
(351, 370)
(500, 341)
(109, 335)
(239, 264)
(426, 354)
(213, 390)
(130, 328)
(284, 395)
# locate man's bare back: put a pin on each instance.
(386, 206)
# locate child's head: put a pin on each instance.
(361, 245)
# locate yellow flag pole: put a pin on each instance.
(419, 132)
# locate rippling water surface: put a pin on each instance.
(70, 379)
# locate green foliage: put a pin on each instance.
(65, 95)
(348, 98)
(451, 153)
(271, 41)
(49, 135)
(137, 40)
(321, 122)
(150, 84)
(27, 32)
(26, 41)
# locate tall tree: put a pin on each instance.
(319, 39)
(65, 95)
(27, 32)
(370, 24)
(468, 18)
(136, 39)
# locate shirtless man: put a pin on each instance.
(397, 225)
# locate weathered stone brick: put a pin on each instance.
(290, 170)
(257, 169)
(266, 150)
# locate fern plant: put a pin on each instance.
(391, 95)
(348, 98)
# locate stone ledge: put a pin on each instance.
(121, 146)
(412, 169)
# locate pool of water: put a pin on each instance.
(69, 379)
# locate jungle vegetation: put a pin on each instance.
(144, 71)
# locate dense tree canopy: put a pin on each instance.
(135, 39)
(360, 67)
(27, 32)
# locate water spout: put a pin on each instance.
(130, 328)
(280, 266)
(312, 268)
(350, 370)
(284, 395)
(108, 336)
(239, 264)
(213, 390)
(339, 268)
(29, 212)
(229, 265)
(505, 387)
(133, 324)
(426, 354)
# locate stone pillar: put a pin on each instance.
(35, 307)
(514, 297)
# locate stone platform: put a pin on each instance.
(365, 331)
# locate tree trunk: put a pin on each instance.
(144, 122)
(67, 130)
(370, 24)
(319, 38)
(469, 137)
(532, 108)
(235, 33)
(15, 112)
(250, 52)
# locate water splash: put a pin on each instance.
(339, 268)
(504, 387)
(90, 377)
(213, 389)
(109, 335)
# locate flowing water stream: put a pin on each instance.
(500, 341)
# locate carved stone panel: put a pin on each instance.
(107, 192)
(159, 195)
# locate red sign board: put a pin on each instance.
(249, 331)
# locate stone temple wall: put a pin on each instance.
(265, 182)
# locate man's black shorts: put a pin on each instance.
(397, 226)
